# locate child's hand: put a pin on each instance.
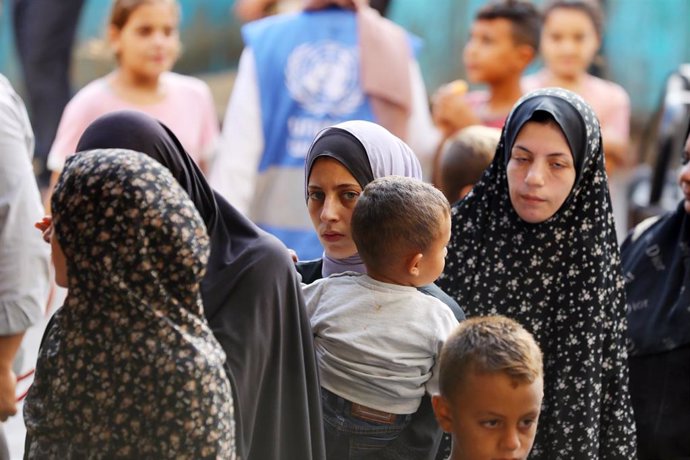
(450, 111)
(45, 225)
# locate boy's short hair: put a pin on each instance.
(590, 7)
(524, 18)
(489, 344)
(465, 156)
(395, 215)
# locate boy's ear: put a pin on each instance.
(525, 54)
(413, 264)
(114, 38)
(443, 414)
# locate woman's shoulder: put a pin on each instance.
(637, 234)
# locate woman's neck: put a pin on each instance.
(137, 89)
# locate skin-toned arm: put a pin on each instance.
(9, 344)
(450, 110)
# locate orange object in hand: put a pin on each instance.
(459, 87)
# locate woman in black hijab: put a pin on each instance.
(535, 241)
(252, 300)
(656, 265)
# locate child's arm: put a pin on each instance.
(451, 111)
(446, 324)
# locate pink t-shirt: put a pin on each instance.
(187, 110)
(479, 102)
(609, 101)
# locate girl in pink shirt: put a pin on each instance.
(144, 36)
(571, 36)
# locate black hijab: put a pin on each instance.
(560, 279)
(252, 300)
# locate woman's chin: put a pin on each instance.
(335, 251)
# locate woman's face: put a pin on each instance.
(541, 171)
(685, 176)
(148, 44)
(569, 42)
(332, 193)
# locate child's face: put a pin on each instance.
(332, 192)
(491, 55)
(569, 42)
(491, 417)
(148, 44)
(541, 171)
(434, 258)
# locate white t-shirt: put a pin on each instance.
(377, 344)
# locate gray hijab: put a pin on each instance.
(368, 151)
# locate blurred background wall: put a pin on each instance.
(644, 41)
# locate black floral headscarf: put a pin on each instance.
(560, 279)
(129, 367)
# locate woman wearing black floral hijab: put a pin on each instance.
(535, 241)
(128, 367)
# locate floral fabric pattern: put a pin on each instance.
(561, 280)
(129, 368)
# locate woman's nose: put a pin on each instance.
(535, 175)
(330, 211)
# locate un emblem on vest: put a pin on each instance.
(324, 78)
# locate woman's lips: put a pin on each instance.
(332, 236)
(532, 199)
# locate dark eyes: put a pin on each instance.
(318, 195)
(315, 196)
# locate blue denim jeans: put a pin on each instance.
(351, 436)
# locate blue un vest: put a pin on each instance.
(308, 74)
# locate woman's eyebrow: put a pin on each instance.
(552, 154)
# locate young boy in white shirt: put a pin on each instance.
(376, 337)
